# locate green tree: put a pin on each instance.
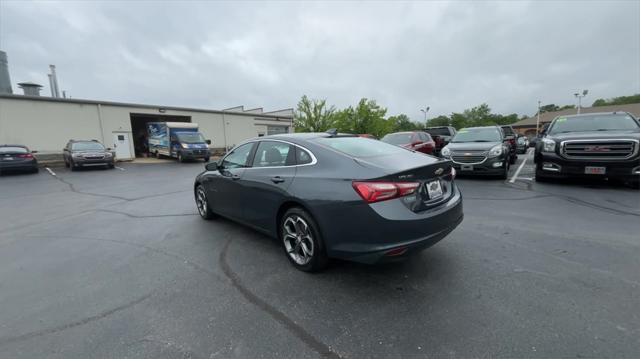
(366, 117)
(439, 121)
(621, 100)
(402, 122)
(313, 115)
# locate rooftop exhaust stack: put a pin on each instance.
(5, 81)
(30, 88)
(53, 81)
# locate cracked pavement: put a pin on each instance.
(117, 264)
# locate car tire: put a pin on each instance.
(66, 164)
(202, 203)
(206, 159)
(302, 241)
(71, 166)
(180, 158)
(111, 165)
(505, 173)
(513, 159)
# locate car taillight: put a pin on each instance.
(381, 191)
(27, 155)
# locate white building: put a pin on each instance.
(46, 124)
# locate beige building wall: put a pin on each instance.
(46, 126)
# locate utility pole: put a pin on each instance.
(579, 97)
(425, 110)
(538, 121)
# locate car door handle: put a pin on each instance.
(277, 179)
(235, 177)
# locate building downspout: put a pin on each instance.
(104, 140)
(224, 132)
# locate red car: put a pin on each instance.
(414, 140)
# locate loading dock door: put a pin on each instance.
(121, 143)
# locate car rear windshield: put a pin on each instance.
(397, 138)
(593, 123)
(438, 131)
(359, 146)
(190, 137)
(13, 150)
(87, 146)
(507, 130)
(489, 134)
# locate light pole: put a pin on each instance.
(425, 110)
(579, 97)
(538, 121)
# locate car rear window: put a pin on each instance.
(13, 150)
(438, 131)
(359, 146)
(397, 138)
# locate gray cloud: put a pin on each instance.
(449, 56)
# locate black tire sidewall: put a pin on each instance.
(319, 260)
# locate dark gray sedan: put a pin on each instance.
(333, 196)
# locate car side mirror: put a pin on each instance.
(34, 151)
(208, 142)
(212, 166)
(108, 148)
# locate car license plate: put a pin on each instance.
(8, 158)
(595, 170)
(434, 189)
(466, 167)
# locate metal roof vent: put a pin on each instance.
(30, 88)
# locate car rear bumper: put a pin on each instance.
(553, 165)
(370, 235)
(19, 165)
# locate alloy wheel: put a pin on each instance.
(201, 202)
(298, 240)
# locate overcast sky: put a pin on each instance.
(446, 55)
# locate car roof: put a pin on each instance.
(477, 127)
(619, 113)
(10, 145)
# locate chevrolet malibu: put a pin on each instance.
(327, 195)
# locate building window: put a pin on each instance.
(274, 130)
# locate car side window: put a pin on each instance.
(303, 157)
(273, 153)
(238, 158)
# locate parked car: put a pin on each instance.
(418, 141)
(441, 136)
(510, 137)
(17, 158)
(87, 153)
(522, 143)
(479, 150)
(333, 196)
(590, 145)
(366, 135)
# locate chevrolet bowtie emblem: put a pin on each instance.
(439, 171)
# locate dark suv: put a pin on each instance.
(81, 153)
(479, 150)
(441, 136)
(592, 145)
(510, 136)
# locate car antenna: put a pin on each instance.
(333, 132)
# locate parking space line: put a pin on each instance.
(120, 168)
(515, 176)
(50, 171)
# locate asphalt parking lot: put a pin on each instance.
(117, 264)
